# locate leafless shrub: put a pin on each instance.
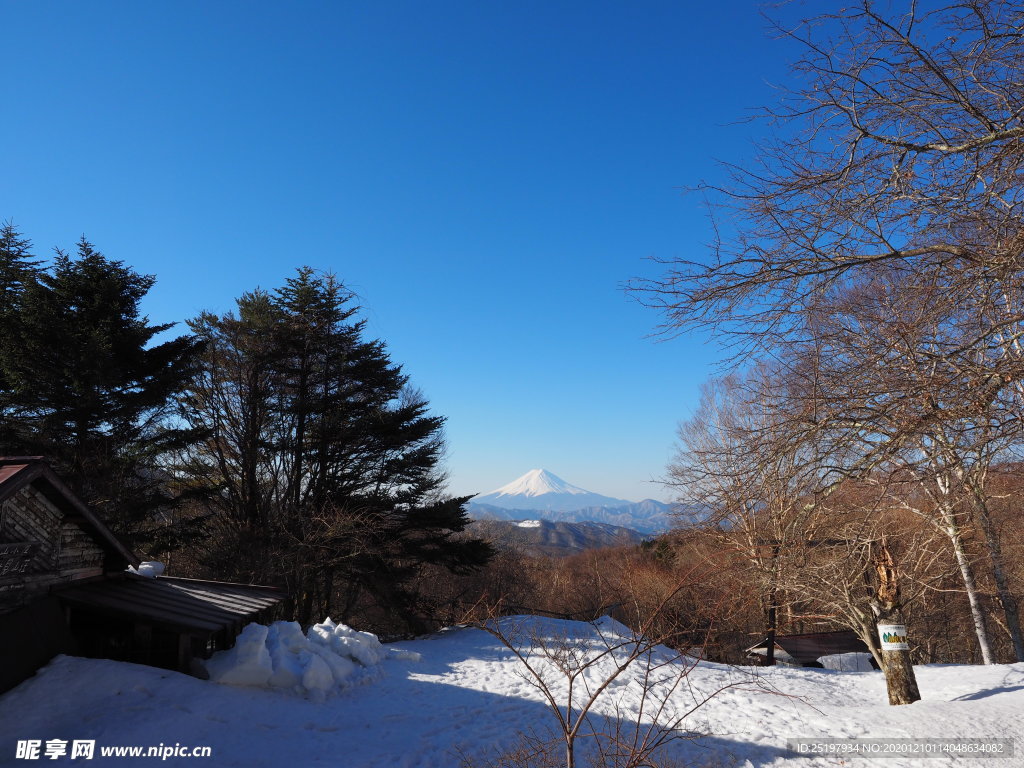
(574, 675)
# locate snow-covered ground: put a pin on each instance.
(467, 692)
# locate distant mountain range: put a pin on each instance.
(542, 495)
(539, 538)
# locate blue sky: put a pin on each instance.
(485, 175)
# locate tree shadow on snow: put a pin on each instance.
(988, 692)
(482, 726)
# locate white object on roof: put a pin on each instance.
(148, 568)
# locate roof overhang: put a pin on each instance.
(183, 605)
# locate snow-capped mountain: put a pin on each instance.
(543, 490)
(542, 494)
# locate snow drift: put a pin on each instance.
(322, 661)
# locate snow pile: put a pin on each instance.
(362, 647)
(847, 662)
(148, 568)
(280, 656)
(247, 663)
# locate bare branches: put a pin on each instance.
(900, 148)
(575, 677)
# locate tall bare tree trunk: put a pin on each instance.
(956, 538)
(769, 658)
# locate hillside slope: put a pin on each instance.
(467, 696)
(542, 537)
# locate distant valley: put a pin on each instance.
(539, 538)
(648, 517)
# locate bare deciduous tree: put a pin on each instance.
(903, 378)
(576, 676)
(771, 476)
(901, 147)
(747, 483)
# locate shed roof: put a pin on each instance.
(811, 646)
(188, 605)
(16, 472)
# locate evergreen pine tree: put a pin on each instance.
(88, 388)
(345, 457)
(17, 269)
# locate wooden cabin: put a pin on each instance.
(65, 588)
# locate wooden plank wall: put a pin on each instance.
(30, 637)
(65, 551)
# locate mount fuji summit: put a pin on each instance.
(540, 489)
(542, 495)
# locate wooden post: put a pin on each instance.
(184, 652)
(773, 609)
(142, 643)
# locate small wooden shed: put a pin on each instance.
(65, 588)
(804, 650)
(165, 622)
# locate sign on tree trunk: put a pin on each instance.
(893, 637)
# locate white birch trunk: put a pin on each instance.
(970, 585)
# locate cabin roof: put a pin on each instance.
(186, 605)
(17, 472)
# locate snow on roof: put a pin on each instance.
(811, 646)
